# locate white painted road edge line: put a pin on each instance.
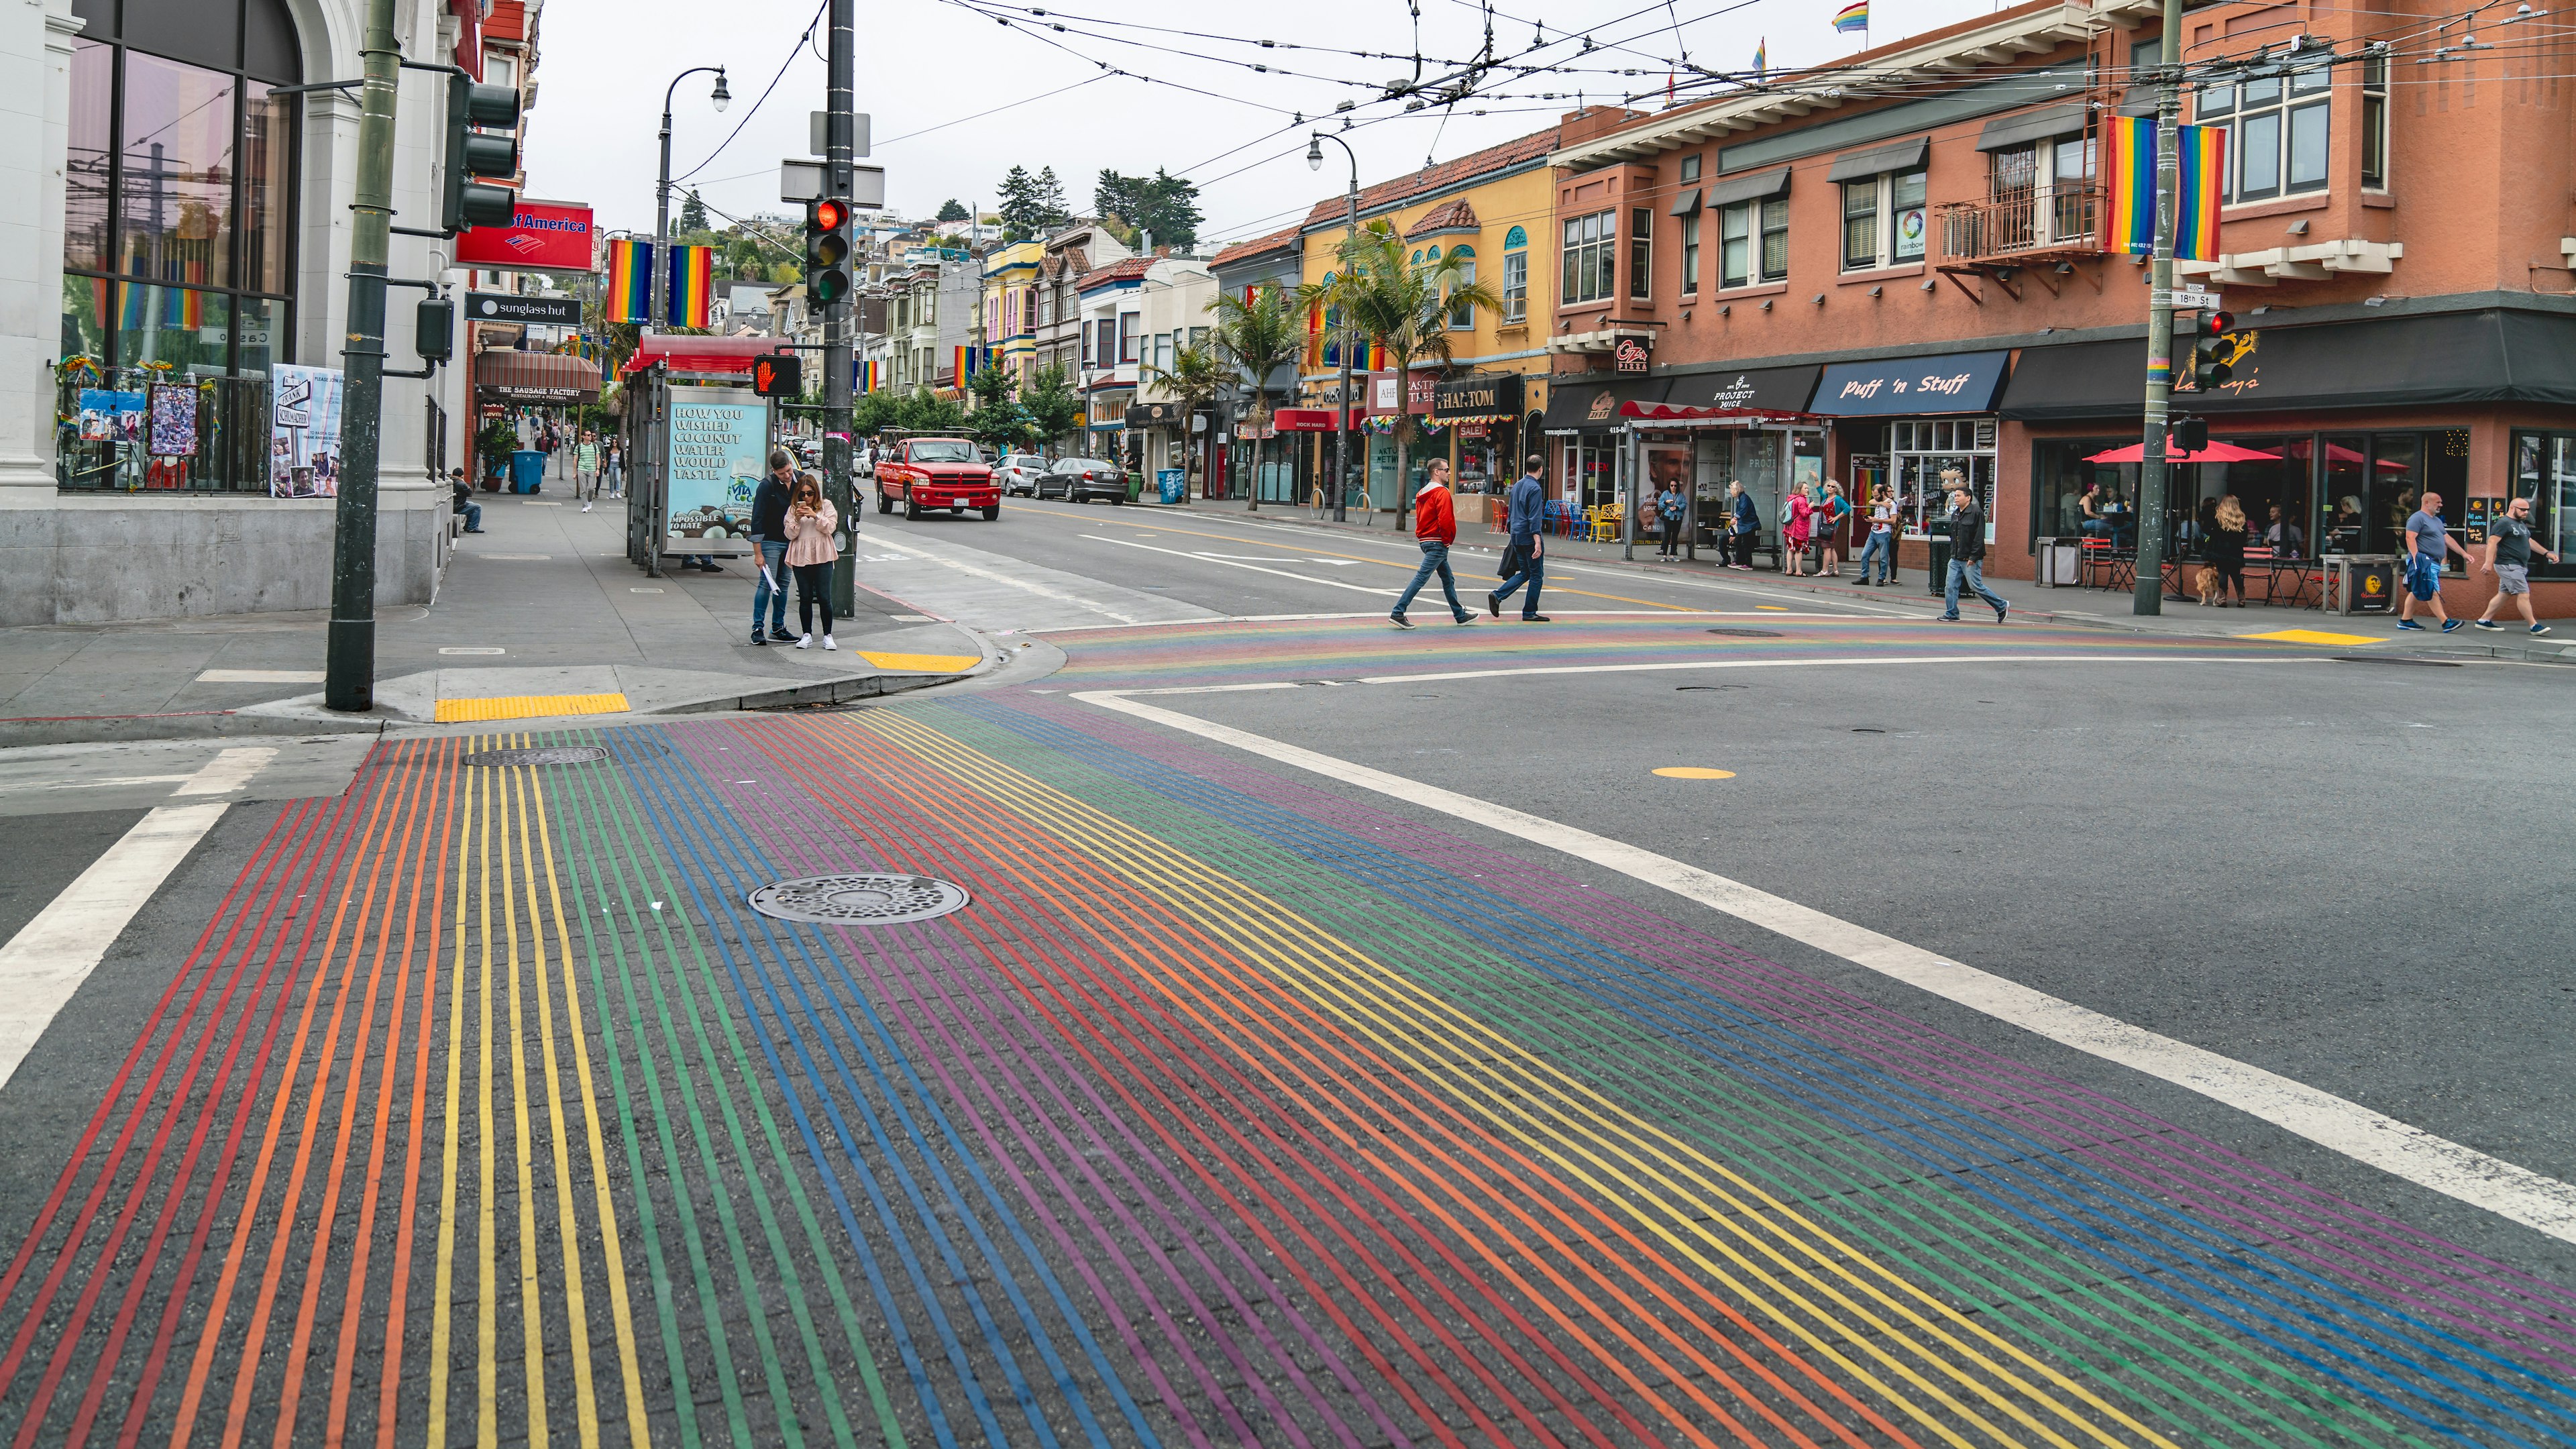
(53, 954)
(1023, 585)
(1256, 568)
(2542, 1203)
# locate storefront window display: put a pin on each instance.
(2544, 471)
(1920, 451)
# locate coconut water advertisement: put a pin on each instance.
(716, 453)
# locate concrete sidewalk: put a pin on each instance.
(2090, 607)
(541, 611)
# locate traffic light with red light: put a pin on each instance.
(778, 375)
(827, 251)
(2210, 351)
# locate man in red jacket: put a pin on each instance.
(1435, 527)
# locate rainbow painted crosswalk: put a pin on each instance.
(1230, 1111)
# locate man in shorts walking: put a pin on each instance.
(2509, 546)
(2428, 541)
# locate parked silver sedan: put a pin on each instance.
(1019, 473)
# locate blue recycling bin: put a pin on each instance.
(527, 470)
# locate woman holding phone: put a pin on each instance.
(811, 522)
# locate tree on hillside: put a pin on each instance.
(1051, 199)
(1162, 204)
(693, 213)
(951, 210)
(1023, 210)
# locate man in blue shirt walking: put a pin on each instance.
(1526, 501)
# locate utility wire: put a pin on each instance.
(797, 50)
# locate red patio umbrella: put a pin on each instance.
(2214, 453)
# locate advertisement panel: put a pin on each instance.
(304, 431)
(543, 236)
(716, 443)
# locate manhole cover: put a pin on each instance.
(1749, 633)
(859, 900)
(539, 755)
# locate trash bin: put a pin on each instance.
(1938, 533)
(527, 470)
(1171, 484)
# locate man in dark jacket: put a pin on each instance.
(462, 500)
(1744, 527)
(1968, 554)
(1526, 504)
(769, 530)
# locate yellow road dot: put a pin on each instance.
(1694, 772)
(1774, 608)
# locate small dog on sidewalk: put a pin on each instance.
(2207, 582)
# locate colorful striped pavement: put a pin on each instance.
(1230, 1111)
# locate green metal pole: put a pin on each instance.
(2150, 595)
(841, 145)
(349, 673)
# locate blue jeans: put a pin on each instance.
(473, 518)
(1534, 573)
(1881, 546)
(1974, 571)
(773, 558)
(1435, 560)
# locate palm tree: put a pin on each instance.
(1258, 337)
(1194, 379)
(1400, 304)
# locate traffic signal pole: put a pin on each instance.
(349, 668)
(840, 103)
(2152, 470)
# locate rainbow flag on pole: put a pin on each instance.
(630, 281)
(2129, 176)
(2204, 163)
(1854, 16)
(693, 285)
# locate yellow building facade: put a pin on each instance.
(1010, 333)
(1481, 412)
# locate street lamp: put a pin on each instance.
(662, 194)
(1351, 221)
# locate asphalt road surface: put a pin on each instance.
(1723, 1015)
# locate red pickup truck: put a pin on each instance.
(934, 471)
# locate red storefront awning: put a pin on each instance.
(1308, 420)
(1669, 413)
(536, 376)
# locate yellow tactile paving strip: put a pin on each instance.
(922, 663)
(529, 706)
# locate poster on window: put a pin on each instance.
(173, 425)
(716, 449)
(304, 432)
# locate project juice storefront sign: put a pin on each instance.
(543, 236)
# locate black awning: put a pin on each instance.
(2045, 124)
(1761, 389)
(1906, 155)
(1954, 382)
(1749, 186)
(1476, 396)
(1593, 407)
(2450, 357)
(1687, 203)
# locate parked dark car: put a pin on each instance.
(1081, 480)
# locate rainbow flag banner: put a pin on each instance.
(2129, 176)
(1854, 16)
(693, 285)
(630, 281)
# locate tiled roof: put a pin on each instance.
(1276, 241)
(1456, 216)
(1532, 147)
(1128, 270)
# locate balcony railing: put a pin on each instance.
(2064, 217)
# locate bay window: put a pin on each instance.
(1587, 260)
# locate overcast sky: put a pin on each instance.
(932, 72)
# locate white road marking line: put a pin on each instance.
(2543, 1203)
(1255, 568)
(259, 676)
(1658, 613)
(228, 771)
(1833, 664)
(49, 958)
(1041, 590)
(113, 782)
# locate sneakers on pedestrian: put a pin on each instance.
(758, 638)
(1494, 605)
(2000, 611)
(829, 647)
(1536, 619)
(2539, 628)
(804, 640)
(2410, 624)
(585, 507)
(2449, 624)
(2490, 625)
(1399, 621)
(1949, 618)
(1466, 618)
